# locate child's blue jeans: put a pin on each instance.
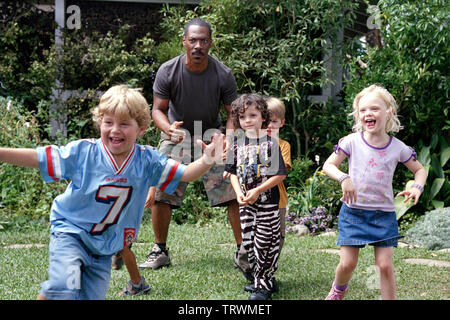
(74, 272)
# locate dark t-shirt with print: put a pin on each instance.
(254, 161)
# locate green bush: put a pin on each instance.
(432, 231)
(98, 62)
(313, 197)
(195, 207)
(23, 192)
(26, 33)
(93, 63)
(412, 64)
(308, 188)
(436, 192)
(301, 170)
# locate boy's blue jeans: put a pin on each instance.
(74, 272)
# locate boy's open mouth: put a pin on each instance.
(115, 140)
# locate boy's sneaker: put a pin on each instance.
(156, 259)
(261, 294)
(134, 290)
(336, 294)
(251, 287)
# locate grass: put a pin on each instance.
(202, 268)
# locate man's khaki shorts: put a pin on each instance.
(218, 189)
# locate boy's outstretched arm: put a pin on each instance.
(211, 153)
(20, 157)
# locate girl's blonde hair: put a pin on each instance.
(123, 102)
(393, 123)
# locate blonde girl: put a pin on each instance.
(367, 215)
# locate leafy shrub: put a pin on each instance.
(437, 189)
(304, 196)
(23, 191)
(91, 65)
(26, 33)
(195, 207)
(313, 203)
(432, 231)
(313, 191)
(301, 170)
(434, 158)
(98, 62)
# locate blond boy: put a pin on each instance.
(277, 111)
(100, 212)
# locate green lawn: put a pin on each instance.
(202, 268)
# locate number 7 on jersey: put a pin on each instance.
(119, 196)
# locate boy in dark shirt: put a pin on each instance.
(255, 170)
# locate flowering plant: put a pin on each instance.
(318, 220)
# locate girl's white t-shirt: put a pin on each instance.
(371, 169)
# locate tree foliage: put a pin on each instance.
(26, 35)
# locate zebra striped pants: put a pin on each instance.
(260, 224)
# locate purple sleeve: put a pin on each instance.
(407, 153)
(343, 146)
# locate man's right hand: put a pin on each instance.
(176, 135)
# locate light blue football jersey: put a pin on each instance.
(104, 203)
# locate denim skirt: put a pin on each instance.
(358, 227)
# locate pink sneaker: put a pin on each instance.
(336, 294)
